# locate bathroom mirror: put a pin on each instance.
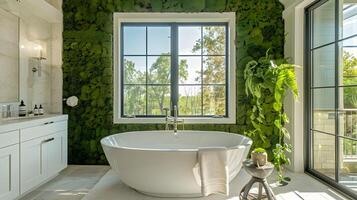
(9, 57)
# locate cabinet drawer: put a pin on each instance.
(42, 130)
(9, 138)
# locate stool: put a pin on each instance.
(259, 175)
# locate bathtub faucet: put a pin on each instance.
(169, 120)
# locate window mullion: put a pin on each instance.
(174, 67)
(146, 65)
(201, 70)
(337, 96)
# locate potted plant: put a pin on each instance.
(267, 82)
(259, 157)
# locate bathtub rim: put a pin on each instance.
(240, 146)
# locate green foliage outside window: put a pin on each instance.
(350, 102)
(349, 78)
(158, 96)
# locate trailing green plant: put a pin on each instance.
(266, 83)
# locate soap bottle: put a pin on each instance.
(22, 109)
(35, 110)
(40, 110)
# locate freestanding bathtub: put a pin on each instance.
(160, 163)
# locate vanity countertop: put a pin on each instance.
(25, 122)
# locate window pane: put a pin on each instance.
(134, 100)
(134, 69)
(324, 66)
(214, 40)
(348, 123)
(189, 40)
(190, 69)
(349, 95)
(159, 40)
(190, 101)
(349, 24)
(147, 69)
(214, 100)
(349, 61)
(324, 110)
(348, 163)
(324, 154)
(214, 70)
(158, 99)
(159, 69)
(134, 39)
(324, 24)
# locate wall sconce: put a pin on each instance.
(36, 61)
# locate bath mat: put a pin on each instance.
(111, 188)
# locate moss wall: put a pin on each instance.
(87, 62)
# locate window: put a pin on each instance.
(332, 92)
(183, 62)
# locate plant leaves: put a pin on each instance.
(156, 5)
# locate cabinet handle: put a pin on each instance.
(49, 122)
(48, 140)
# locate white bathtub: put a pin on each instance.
(158, 163)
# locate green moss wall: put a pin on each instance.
(87, 62)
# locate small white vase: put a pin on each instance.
(259, 159)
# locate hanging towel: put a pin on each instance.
(213, 170)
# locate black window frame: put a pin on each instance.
(174, 53)
(309, 87)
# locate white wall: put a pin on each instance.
(294, 29)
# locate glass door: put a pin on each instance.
(332, 92)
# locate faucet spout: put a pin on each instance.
(167, 118)
(172, 120)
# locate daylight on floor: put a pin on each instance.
(178, 99)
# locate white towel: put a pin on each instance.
(213, 170)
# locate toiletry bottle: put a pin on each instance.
(35, 110)
(4, 111)
(22, 109)
(40, 110)
(8, 110)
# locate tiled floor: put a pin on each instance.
(77, 181)
(350, 181)
(72, 184)
(302, 187)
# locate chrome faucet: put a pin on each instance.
(173, 120)
(167, 118)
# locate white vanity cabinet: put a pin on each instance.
(41, 158)
(31, 155)
(9, 172)
(55, 153)
(43, 153)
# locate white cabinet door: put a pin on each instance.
(32, 164)
(9, 172)
(55, 146)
